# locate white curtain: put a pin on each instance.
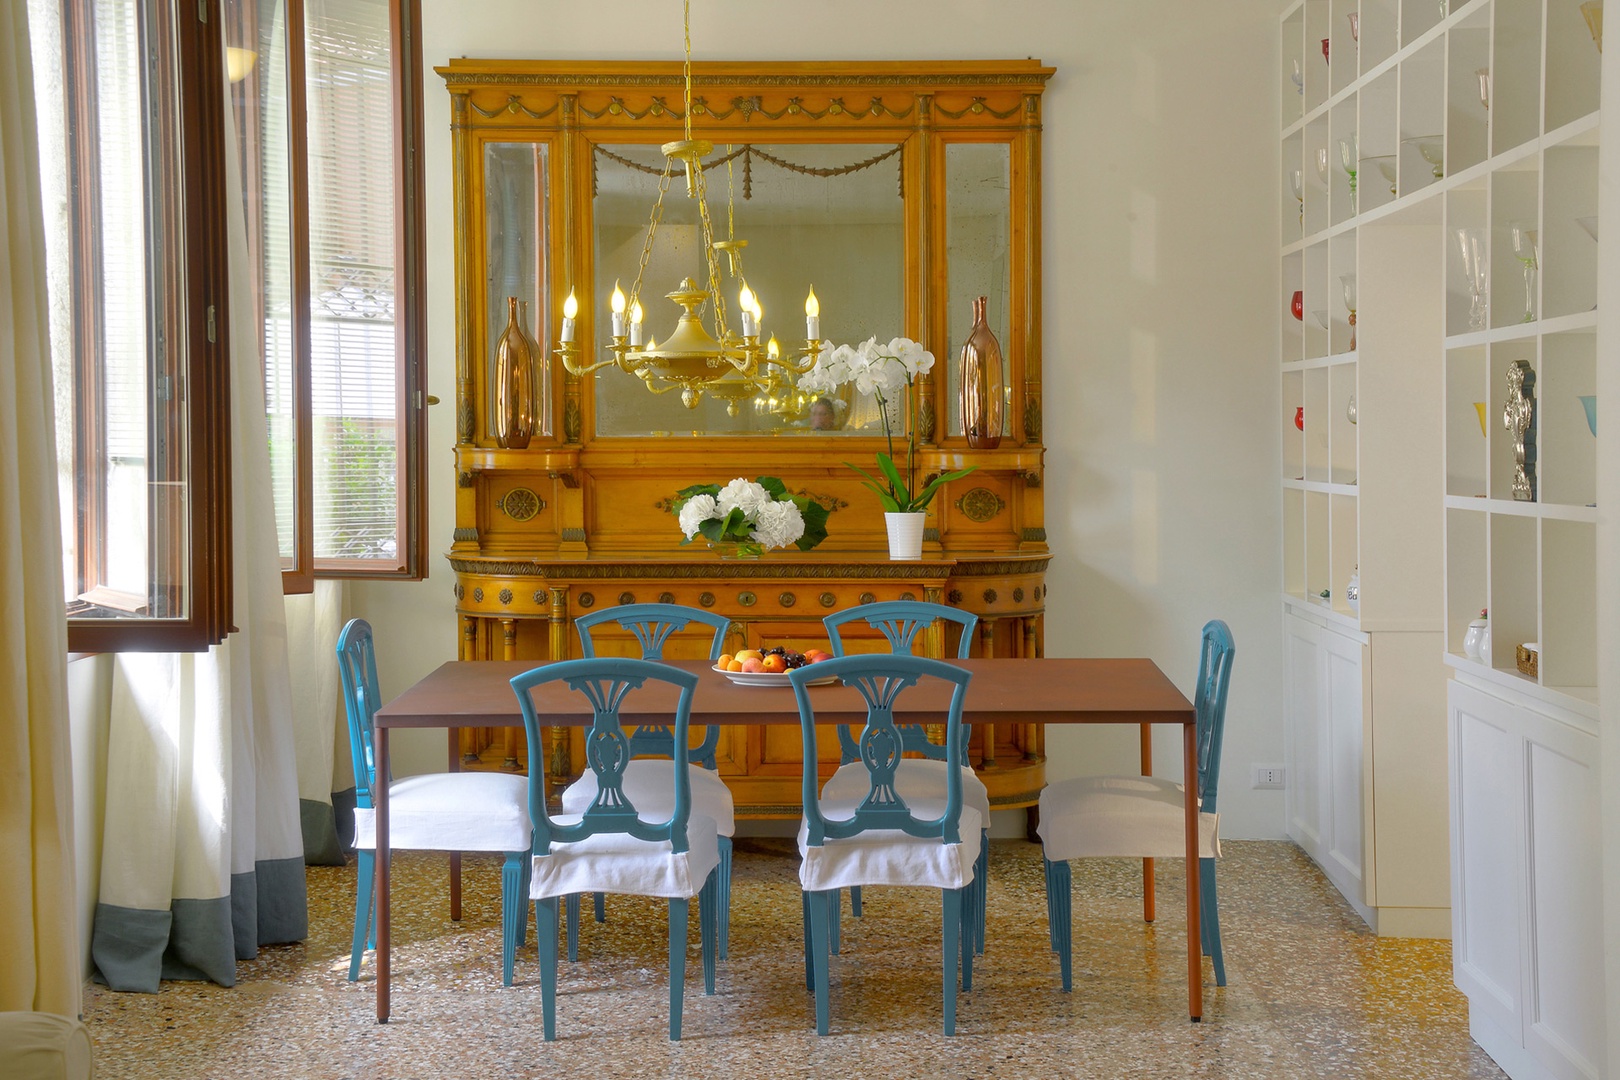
(39, 950)
(313, 624)
(203, 856)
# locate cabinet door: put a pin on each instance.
(1325, 739)
(1487, 856)
(1525, 885)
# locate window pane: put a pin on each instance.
(353, 333)
(109, 153)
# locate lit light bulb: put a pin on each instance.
(772, 349)
(618, 310)
(746, 301)
(570, 310)
(812, 316)
(635, 323)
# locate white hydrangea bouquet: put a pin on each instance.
(886, 372)
(750, 517)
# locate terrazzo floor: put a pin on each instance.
(1311, 993)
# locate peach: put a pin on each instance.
(752, 664)
(724, 662)
(734, 665)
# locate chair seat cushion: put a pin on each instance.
(466, 811)
(649, 784)
(619, 863)
(916, 778)
(889, 856)
(1134, 816)
(43, 1046)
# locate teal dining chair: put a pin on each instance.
(645, 780)
(900, 621)
(462, 811)
(614, 846)
(1143, 816)
(881, 836)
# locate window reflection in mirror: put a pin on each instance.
(828, 216)
(978, 232)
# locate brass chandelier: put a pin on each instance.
(733, 365)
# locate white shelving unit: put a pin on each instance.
(1473, 123)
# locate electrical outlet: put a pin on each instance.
(1267, 776)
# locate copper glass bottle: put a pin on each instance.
(514, 383)
(984, 387)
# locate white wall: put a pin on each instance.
(1161, 296)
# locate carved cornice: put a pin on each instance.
(458, 79)
(766, 567)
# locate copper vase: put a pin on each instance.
(514, 383)
(984, 388)
(539, 395)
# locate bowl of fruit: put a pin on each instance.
(770, 667)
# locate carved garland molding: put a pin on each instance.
(732, 570)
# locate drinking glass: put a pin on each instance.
(1299, 79)
(1347, 158)
(1348, 281)
(1471, 244)
(1524, 249)
(1484, 74)
(1386, 167)
(1432, 148)
(1297, 180)
(1355, 27)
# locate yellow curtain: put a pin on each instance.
(39, 950)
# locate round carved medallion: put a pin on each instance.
(989, 596)
(954, 596)
(1018, 595)
(867, 598)
(980, 504)
(478, 595)
(521, 504)
(506, 596)
(827, 599)
(587, 599)
(706, 599)
(539, 598)
(627, 598)
(787, 599)
(908, 596)
(666, 598)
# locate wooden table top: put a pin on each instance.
(477, 693)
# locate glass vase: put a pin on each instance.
(737, 549)
(984, 386)
(514, 383)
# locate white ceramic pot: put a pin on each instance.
(1352, 591)
(1477, 631)
(905, 535)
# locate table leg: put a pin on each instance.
(1149, 906)
(380, 800)
(1195, 951)
(455, 856)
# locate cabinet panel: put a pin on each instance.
(1342, 661)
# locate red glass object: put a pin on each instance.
(1297, 305)
(1325, 50)
(1299, 417)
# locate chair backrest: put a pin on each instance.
(357, 665)
(652, 625)
(1209, 699)
(881, 680)
(900, 621)
(606, 681)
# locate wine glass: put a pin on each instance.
(1432, 149)
(1297, 180)
(1484, 74)
(1299, 79)
(1524, 249)
(1355, 27)
(1348, 281)
(1386, 167)
(1322, 168)
(1471, 243)
(1347, 158)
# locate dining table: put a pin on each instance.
(1046, 690)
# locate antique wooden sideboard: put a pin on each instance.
(901, 191)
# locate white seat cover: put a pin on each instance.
(649, 784)
(1127, 816)
(619, 863)
(889, 856)
(916, 778)
(467, 811)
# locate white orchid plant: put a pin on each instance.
(756, 515)
(886, 372)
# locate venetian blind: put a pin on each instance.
(354, 370)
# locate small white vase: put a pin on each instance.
(905, 535)
(1477, 631)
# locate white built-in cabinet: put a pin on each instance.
(1424, 142)
(1525, 867)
